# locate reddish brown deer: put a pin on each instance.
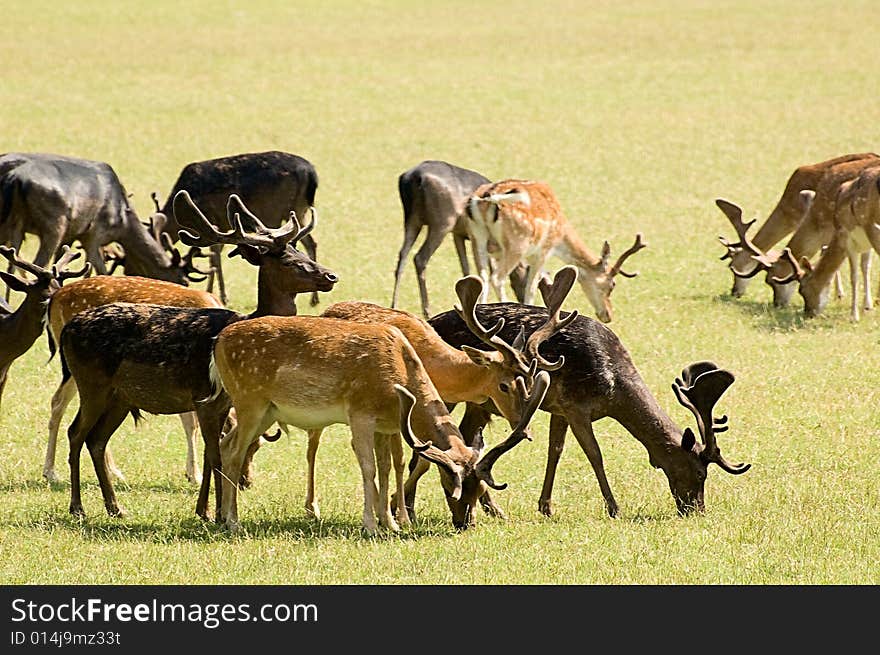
(312, 372)
(856, 233)
(465, 375)
(599, 380)
(813, 232)
(525, 220)
(19, 329)
(103, 290)
(782, 221)
(128, 357)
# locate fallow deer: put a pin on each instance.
(460, 375)
(782, 221)
(19, 329)
(66, 199)
(856, 233)
(103, 290)
(128, 357)
(815, 230)
(271, 184)
(599, 379)
(311, 372)
(525, 220)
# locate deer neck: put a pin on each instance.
(146, 254)
(457, 378)
(573, 251)
(25, 325)
(272, 301)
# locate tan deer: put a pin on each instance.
(525, 220)
(311, 372)
(103, 290)
(856, 234)
(782, 221)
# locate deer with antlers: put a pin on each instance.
(127, 357)
(856, 235)
(311, 372)
(19, 329)
(598, 379)
(782, 221)
(460, 375)
(525, 220)
(96, 292)
(814, 231)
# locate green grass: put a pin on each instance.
(638, 114)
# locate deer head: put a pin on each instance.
(598, 280)
(47, 281)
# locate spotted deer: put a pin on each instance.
(19, 329)
(103, 290)
(782, 221)
(129, 357)
(525, 220)
(311, 372)
(856, 235)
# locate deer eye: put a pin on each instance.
(504, 387)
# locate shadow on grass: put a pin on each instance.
(768, 318)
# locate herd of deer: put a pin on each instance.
(147, 342)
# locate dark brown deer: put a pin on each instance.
(19, 329)
(127, 358)
(782, 221)
(599, 379)
(271, 184)
(65, 199)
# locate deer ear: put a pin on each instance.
(478, 357)
(688, 440)
(250, 254)
(606, 254)
(13, 282)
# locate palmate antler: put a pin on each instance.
(554, 295)
(700, 386)
(734, 215)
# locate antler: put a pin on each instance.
(58, 268)
(207, 234)
(554, 295)
(469, 289)
(634, 248)
(699, 388)
(425, 449)
(797, 271)
(282, 235)
(155, 198)
(734, 215)
(530, 404)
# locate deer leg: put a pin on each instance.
(96, 440)
(247, 468)
(190, 425)
(362, 444)
(233, 448)
(91, 409)
(94, 255)
(217, 269)
(558, 427)
(382, 451)
(311, 452)
(866, 280)
(418, 466)
(411, 229)
(838, 284)
(211, 417)
(474, 420)
(517, 279)
(396, 446)
(60, 400)
(854, 286)
(583, 431)
(461, 250)
(311, 247)
(4, 373)
(428, 248)
(14, 242)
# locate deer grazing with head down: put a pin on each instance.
(129, 357)
(856, 235)
(814, 231)
(460, 375)
(599, 379)
(782, 221)
(524, 219)
(103, 290)
(312, 372)
(19, 329)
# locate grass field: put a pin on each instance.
(638, 114)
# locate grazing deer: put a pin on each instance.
(64, 199)
(433, 194)
(20, 328)
(127, 358)
(460, 375)
(526, 222)
(598, 379)
(103, 290)
(781, 222)
(312, 372)
(271, 184)
(856, 233)
(813, 232)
